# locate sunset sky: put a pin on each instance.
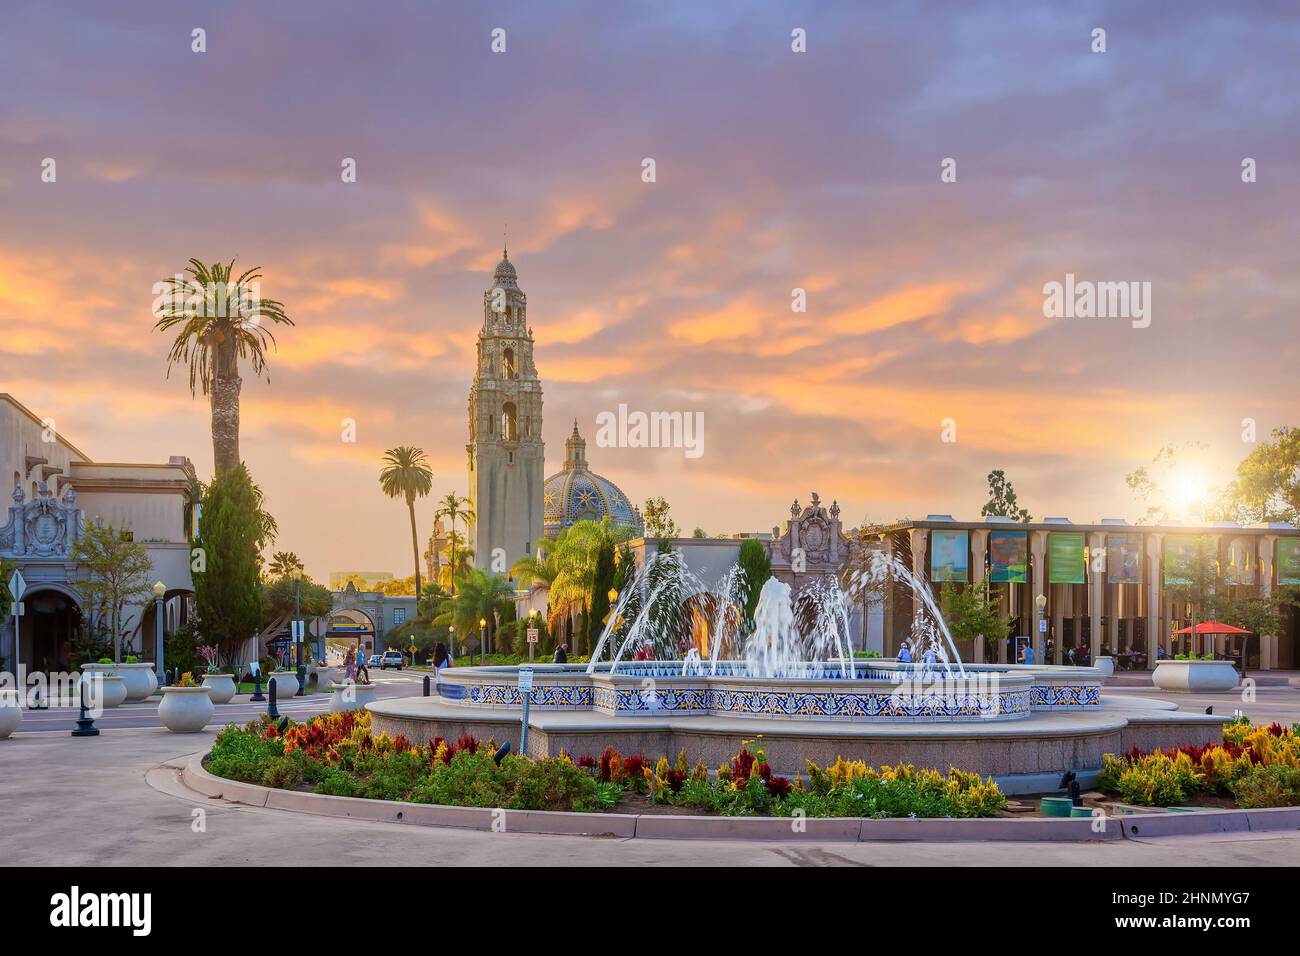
(775, 170)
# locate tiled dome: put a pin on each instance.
(577, 494)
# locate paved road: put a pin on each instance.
(238, 711)
(117, 800)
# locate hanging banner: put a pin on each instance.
(1240, 568)
(1009, 554)
(1180, 559)
(1288, 561)
(949, 556)
(1124, 558)
(1066, 563)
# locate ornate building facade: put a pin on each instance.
(57, 490)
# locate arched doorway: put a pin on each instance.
(51, 624)
(349, 627)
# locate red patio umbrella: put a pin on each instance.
(1212, 627)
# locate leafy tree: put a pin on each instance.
(455, 508)
(756, 566)
(227, 598)
(7, 568)
(1192, 580)
(575, 555)
(1150, 483)
(118, 574)
(314, 600)
(1267, 486)
(399, 587)
(1002, 500)
(971, 613)
(658, 522)
(699, 533)
(218, 320)
(284, 564)
(406, 474)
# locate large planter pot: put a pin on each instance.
(286, 683)
(352, 696)
(325, 675)
(1187, 677)
(1105, 666)
(221, 687)
(11, 715)
(103, 689)
(139, 678)
(185, 710)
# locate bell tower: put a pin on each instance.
(506, 455)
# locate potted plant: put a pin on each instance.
(286, 683)
(220, 685)
(104, 688)
(139, 677)
(186, 706)
(1185, 675)
(11, 714)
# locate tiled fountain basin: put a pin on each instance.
(640, 689)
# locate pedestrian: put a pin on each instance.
(441, 659)
(904, 654)
(350, 664)
(562, 654)
(362, 668)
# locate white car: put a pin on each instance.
(374, 661)
(392, 659)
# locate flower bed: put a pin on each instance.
(336, 754)
(1257, 766)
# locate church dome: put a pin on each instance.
(578, 494)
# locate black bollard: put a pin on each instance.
(426, 685)
(271, 710)
(257, 688)
(500, 755)
(85, 723)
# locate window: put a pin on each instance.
(508, 363)
(399, 615)
(508, 427)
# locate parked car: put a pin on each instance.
(374, 661)
(392, 659)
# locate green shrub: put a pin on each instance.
(241, 754)
(1272, 786)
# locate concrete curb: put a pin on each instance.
(772, 829)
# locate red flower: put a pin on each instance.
(587, 761)
(675, 780)
(778, 786)
(741, 765)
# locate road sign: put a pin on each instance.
(1042, 626)
(532, 635)
(525, 679)
(17, 585)
(297, 631)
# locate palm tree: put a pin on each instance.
(450, 572)
(285, 564)
(217, 322)
(454, 507)
(482, 597)
(406, 474)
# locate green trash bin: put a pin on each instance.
(1056, 806)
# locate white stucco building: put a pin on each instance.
(55, 490)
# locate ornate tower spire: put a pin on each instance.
(505, 450)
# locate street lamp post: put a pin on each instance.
(159, 591)
(1036, 641)
(451, 639)
(532, 625)
(302, 637)
(482, 627)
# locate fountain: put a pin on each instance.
(679, 662)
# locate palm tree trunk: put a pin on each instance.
(451, 578)
(415, 549)
(226, 385)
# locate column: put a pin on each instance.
(919, 538)
(979, 543)
(1267, 643)
(1097, 572)
(1155, 590)
(1038, 555)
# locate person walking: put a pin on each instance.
(441, 658)
(350, 664)
(561, 654)
(362, 668)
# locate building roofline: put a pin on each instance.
(6, 397)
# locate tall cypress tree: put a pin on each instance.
(602, 580)
(227, 592)
(757, 568)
